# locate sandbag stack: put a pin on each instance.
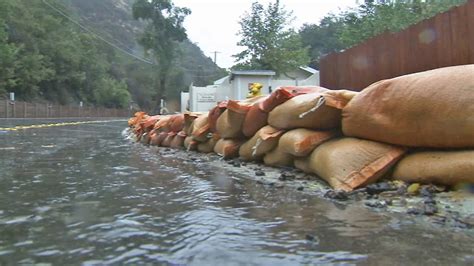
(415, 128)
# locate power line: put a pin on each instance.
(96, 35)
(121, 49)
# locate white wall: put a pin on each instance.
(184, 101)
(223, 90)
(202, 99)
(312, 80)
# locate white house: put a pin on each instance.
(235, 86)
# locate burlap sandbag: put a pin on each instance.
(428, 109)
(229, 124)
(277, 157)
(228, 148)
(178, 140)
(301, 142)
(303, 164)
(254, 120)
(208, 146)
(439, 167)
(215, 113)
(189, 118)
(200, 128)
(190, 144)
(169, 138)
(349, 163)
(157, 138)
(339, 98)
(135, 120)
(145, 138)
(257, 116)
(150, 122)
(305, 111)
(163, 124)
(177, 122)
(265, 140)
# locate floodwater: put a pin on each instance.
(86, 195)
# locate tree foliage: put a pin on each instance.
(336, 32)
(44, 56)
(162, 34)
(269, 42)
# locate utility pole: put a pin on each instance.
(215, 56)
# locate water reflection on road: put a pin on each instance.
(84, 194)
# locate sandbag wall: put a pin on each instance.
(415, 128)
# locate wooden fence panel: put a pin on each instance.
(444, 40)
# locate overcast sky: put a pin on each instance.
(213, 24)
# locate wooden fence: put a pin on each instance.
(444, 40)
(18, 109)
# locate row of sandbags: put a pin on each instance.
(416, 128)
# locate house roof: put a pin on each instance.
(221, 80)
(309, 69)
(253, 72)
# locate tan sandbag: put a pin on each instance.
(145, 138)
(229, 124)
(189, 118)
(338, 98)
(277, 157)
(177, 122)
(305, 111)
(214, 114)
(349, 163)
(178, 140)
(208, 146)
(265, 140)
(255, 119)
(167, 141)
(303, 164)
(163, 124)
(428, 109)
(228, 148)
(190, 144)
(301, 142)
(439, 167)
(200, 128)
(159, 138)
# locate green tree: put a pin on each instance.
(162, 34)
(8, 54)
(270, 43)
(322, 38)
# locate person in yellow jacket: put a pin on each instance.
(255, 90)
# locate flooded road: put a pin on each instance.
(85, 195)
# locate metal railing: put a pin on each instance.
(20, 109)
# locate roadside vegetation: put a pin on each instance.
(44, 56)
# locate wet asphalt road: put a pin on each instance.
(84, 194)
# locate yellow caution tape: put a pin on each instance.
(54, 125)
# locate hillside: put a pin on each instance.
(71, 51)
(113, 19)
